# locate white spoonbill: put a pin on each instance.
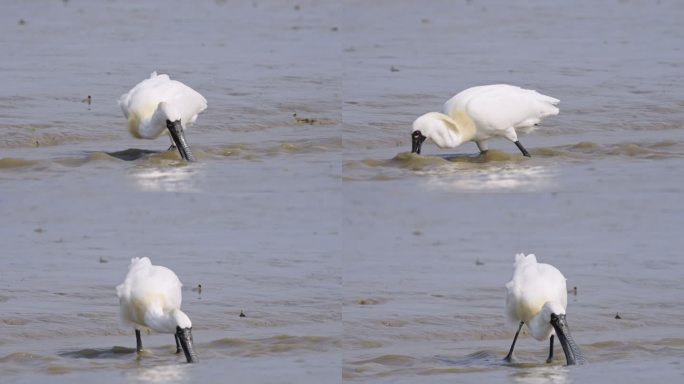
(150, 298)
(158, 104)
(482, 112)
(537, 296)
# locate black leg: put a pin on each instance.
(522, 149)
(178, 347)
(138, 341)
(550, 359)
(509, 357)
(173, 144)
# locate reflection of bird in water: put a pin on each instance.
(150, 298)
(537, 296)
(480, 113)
(158, 104)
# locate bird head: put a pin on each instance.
(417, 139)
(418, 133)
(169, 111)
(439, 128)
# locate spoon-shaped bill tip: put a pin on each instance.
(184, 336)
(573, 355)
(176, 131)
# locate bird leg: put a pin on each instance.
(482, 146)
(173, 144)
(550, 358)
(509, 357)
(138, 341)
(522, 149)
(178, 346)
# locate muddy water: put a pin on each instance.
(351, 259)
(430, 239)
(255, 221)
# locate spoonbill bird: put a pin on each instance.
(482, 112)
(537, 296)
(158, 104)
(150, 298)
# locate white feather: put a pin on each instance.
(151, 102)
(499, 110)
(150, 297)
(536, 291)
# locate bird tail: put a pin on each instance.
(521, 259)
(138, 262)
(547, 109)
(545, 98)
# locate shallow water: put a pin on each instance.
(352, 259)
(254, 221)
(431, 239)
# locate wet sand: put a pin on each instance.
(352, 259)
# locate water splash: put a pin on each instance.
(175, 179)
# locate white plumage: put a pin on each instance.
(483, 112)
(150, 298)
(154, 103)
(535, 285)
(537, 296)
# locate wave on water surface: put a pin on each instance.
(400, 365)
(274, 345)
(98, 353)
(581, 150)
(514, 164)
(171, 158)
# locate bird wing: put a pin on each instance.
(512, 292)
(146, 95)
(501, 106)
(554, 282)
(185, 100)
(161, 285)
(129, 101)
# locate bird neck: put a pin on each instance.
(540, 325)
(147, 125)
(463, 125)
(160, 321)
(454, 131)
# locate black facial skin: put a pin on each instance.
(417, 140)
